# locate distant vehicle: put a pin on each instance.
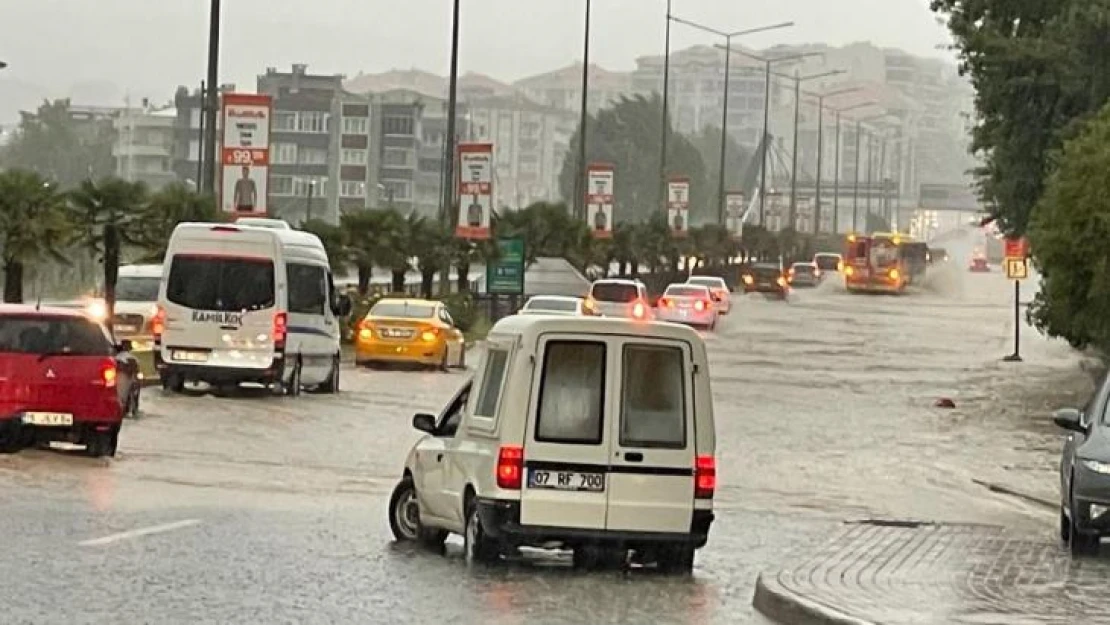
(718, 288)
(1085, 473)
(979, 265)
(556, 305)
(937, 255)
(803, 275)
(242, 303)
(412, 331)
(616, 297)
(766, 278)
(62, 379)
(689, 304)
(883, 262)
(595, 435)
(136, 303)
(828, 262)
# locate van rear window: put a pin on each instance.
(614, 292)
(653, 398)
(221, 283)
(572, 393)
(827, 262)
(60, 336)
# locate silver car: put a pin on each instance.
(617, 297)
(556, 305)
(689, 304)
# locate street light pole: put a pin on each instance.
(870, 164)
(794, 157)
(763, 143)
(447, 215)
(580, 174)
(724, 136)
(212, 98)
(855, 190)
(666, 93)
(836, 180)
(820, 149)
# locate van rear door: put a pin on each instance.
(566, 448)
(651, 477)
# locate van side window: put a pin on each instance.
(490, 396)
(653, 397)
(307, 288)
(572, 393)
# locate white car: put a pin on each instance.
(618, 297)
(690, 304)
(722, 295)
(595, 435)
(556, 305)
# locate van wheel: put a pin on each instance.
(293, 389)
(100, 444)
(477, 547)
(173, 382)
(445, 366)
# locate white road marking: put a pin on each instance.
(142, 531)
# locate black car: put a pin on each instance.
(1085, 473)
(766, 278)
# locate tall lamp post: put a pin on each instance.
(728, 36)
(821, 148)
(661, 185)
(448, 200)
(212, 99)
(836, 164)
(580, 173)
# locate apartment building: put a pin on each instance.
(144, 145)
(562, 88)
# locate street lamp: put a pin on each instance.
(836, 165)
(724, 104)
(768, 62)
(448, 200)
(212, 99)
(821, 148)
(580, 173)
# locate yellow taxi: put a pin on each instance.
(410, 331)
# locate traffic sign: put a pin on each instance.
(1017, 248)
(1016, 269)
(505, 276)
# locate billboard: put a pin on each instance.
(599, 199)
(475, 190)
(245, 158)
(678, 205)
(735, 205)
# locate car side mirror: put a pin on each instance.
(125, 345)
(1069, 419)
(424, 422)
(342, 306)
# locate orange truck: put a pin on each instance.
(882, 262)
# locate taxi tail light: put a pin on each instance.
(365, 330)
(280, 329)
(429, 334)
(510, 467)
(158, 323)
(705, 477)
(108, 374)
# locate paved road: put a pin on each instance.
(257, 509)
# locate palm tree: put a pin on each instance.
(361, 241)
(394, 250)
(334, 240)
(168, 207)
(32, 226)
(107, 215)
(431, 245)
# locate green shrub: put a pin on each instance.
(462, 309)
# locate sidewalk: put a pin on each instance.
(910, 573)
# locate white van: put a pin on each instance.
(245, 303)
(586, 433)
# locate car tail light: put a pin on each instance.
(108, 374)
(699, 305)
(281, 329)
(666, 303)
(590, 304)
(365, 330)
(430, 335)
(894, 274)
(705, 477)
(748, 279)
(158, 323)
(510, 467)
(782, 281)
(638, 310)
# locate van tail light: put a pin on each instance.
(510, 467)
(158, 323)
(705, 477)
(281, 329)
(108, 374)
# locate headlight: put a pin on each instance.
(97, 309)
(1096, 466)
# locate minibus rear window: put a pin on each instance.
(221, 283)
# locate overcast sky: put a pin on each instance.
(148, 47)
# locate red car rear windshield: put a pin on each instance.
(55, 335)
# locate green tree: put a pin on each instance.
(106, 215)
(1068, 234)
(627, 136)
(362, 229)
(60, 148)
(431, 245)
(173, 204)
(32, 226)
(1038, 69)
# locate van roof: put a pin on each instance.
(140, 271)
(286, 237)
(530, 327)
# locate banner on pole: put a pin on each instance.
(678, 205)
(734, 213)
(599, 199)
(245, 158)
(475, 190)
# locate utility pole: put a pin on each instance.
(794, 154)
(200, 139)
(855, 190)
(580, 173)
(447, 214)
(836, 180)
(724, 136)
(661, 183)
(308, 200)
(212, 98)
(763, 143)
(820, 149)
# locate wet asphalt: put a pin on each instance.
(254, 509)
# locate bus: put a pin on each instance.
(883, 262)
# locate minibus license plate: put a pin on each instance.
(187, 356)
(566, 480)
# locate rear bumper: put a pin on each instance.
(408, 352)
(12, 428)
(220, 375)
(501, 521)
(691, 318)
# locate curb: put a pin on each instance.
(773, 600)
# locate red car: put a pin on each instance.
(61, 379)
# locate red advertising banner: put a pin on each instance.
(245, 174)
(599, 199)
(475, 182)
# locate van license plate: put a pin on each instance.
(566, 480)
(48, 418)
(186, 356)
(126, 329)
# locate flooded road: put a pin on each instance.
(257, 509)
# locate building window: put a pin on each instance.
(312, 121)
(301, 185)
(349, 188)
(356, 125)
(397, 126)
(397, 189)
(352, 157)
(285, 120)
(285, 153)
(281, 185)
(397, 157)
(312, 156)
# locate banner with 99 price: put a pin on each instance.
(245, 158)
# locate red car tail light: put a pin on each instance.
(281, 329)
(108, 374)
(705, 477)
(700, 305)
(510, 467)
